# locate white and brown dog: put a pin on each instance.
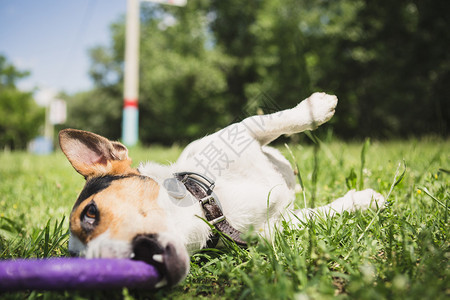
(160, 214)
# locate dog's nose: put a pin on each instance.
(172, 265)
(73, 254)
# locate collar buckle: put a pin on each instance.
(208, 186)
(212, 201)
(207, 199)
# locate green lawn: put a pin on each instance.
(401, 252)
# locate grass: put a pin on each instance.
(401, 252)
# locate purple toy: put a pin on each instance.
(75, 274)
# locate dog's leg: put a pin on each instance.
(352, 201)
(308, 115)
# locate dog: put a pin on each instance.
(230, 180)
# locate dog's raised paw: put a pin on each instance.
(319, 108)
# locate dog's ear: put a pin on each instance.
(93, 155)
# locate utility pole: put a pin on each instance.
(130, 126)
(130, 117)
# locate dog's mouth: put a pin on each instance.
(172, 265)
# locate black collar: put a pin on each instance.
(201, 187)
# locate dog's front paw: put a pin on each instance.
(319, 108)
(367, 199)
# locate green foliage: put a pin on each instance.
(274, 61)
(350, 180)
(400, 252)
(20, 117)
(382, 59)
(181, 82)
(96, 111)
(202, 65)
(388, 64)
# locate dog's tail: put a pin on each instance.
(308, 115)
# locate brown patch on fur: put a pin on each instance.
(126, 208)
(114, 167)
(143, 212)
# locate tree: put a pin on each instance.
(211, 62)
(388, 64)
(20, 117)
(97, 111)
(387, 61)
(181, 83)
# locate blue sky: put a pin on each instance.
(51, 38)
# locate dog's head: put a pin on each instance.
(117, 214)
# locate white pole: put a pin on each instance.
(131, 85)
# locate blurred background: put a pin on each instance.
(204, 64)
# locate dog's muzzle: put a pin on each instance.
(172, 265)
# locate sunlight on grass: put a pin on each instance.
(400, 252)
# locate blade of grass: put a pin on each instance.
(315, 172)
(46, 238)
(299, 176)
(396, 181)
(433, 197)
(272, 239)
(394, 184)
(363, 162)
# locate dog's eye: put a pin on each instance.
(90, 214)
